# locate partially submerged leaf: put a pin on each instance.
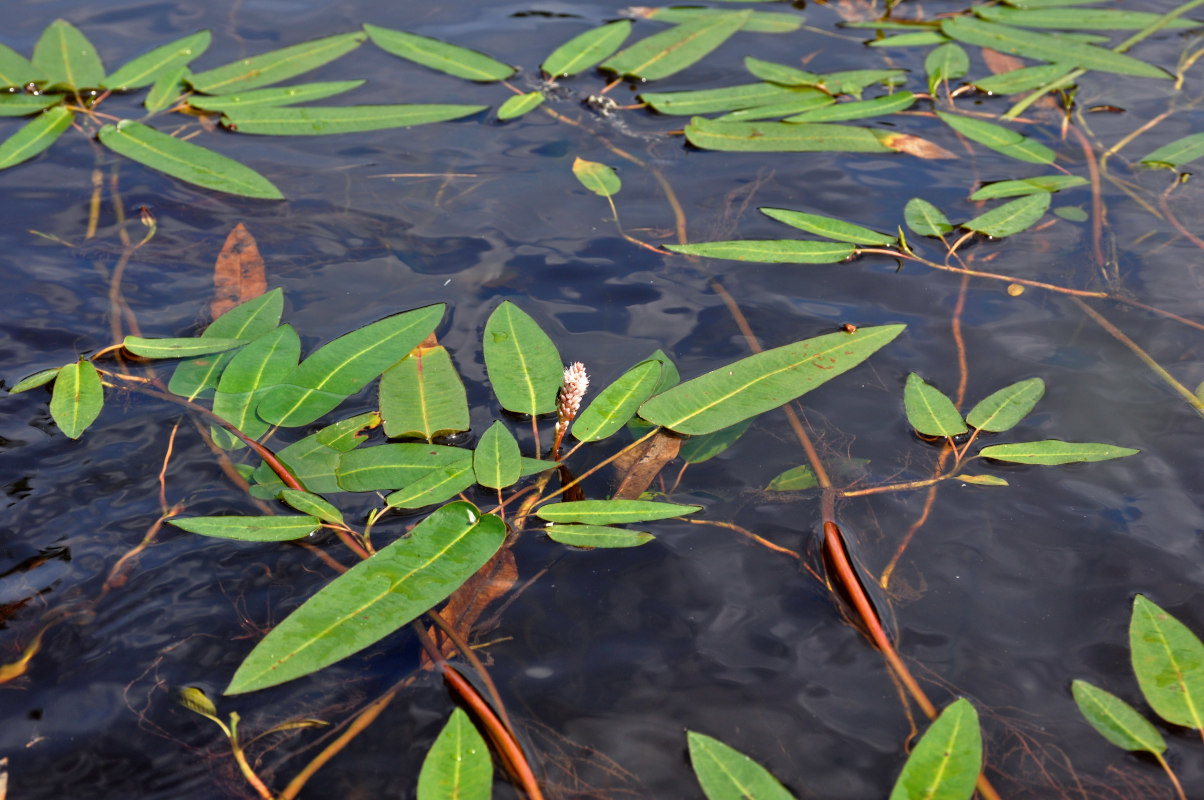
(947, 760)
(1052, 452)
(828, 227)
(612, 512)
(698, 449)
(39, 378)
(982, 480)
(596, 536)
(1001, 410)
(323, 120)
(795, 479)
(523, 364)
(441, 56)
(1168, 660)
(727, 774)
(77, 398)
(238, 275)
(375, 597)
(665, 53)
(66, 58)
(587, 49)
(147, 68)
(769, 251)
(250, 529)
(1116, 720)
(519, 105)
(276, 65)
(1012, 217)
(598, 178)
(458, 766)
(35, 136)
(929, 410)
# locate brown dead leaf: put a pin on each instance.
(238, 275)
(1000, 63)
(467, 603)
(639, 466)
(914, 145)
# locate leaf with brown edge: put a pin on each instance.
(915, 146)
(238, 275)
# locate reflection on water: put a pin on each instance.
(1004, 596)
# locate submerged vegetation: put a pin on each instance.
(276, 424)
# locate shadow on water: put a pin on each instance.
(1004, 595)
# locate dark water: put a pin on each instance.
(1004, 596)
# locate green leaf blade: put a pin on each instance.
(323, 121)
(391, 466)
(422, 396)
(66, 57)
(252, 372)
(946, 762)
(276, 96)
(312, 505)
(944, 63)
(447, 58)
(925, 219)
(598, 178)
(998, 138)
(375, 597)
(497, 461)
(1002, 410)
(829, 228)
(523, 364)
(1053, 452)
(35, 136)
(77, 398)
(276, 65)
(435, 486)
(179, 348)
(1179, 152)
(769, 251)
(250, 529)
(612, 512)
(929, 410)
(39, 378)
(20, 104)
(520, 105)
(147, 68)
(617, 403)
(246, 322)
(1024, 186)
(879, 106)
(1168, 660)
(587, 49)
(782, 137)
(727, 774)
(16, 70)
(668, 52)
(458, 766)
(1116, 720)
(1011, 217)
(591, 536)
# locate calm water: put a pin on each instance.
(1005, 594)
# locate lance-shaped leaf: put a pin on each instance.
(458, 766)
(1024, 79)
(519, 105)
(346, 365)
(598, 178)
(612, 512)
(178, 348)
(780, 73)
(66, 58)
(321, 120)
(423, 396)
(783, 137)
(39, 378)
(731, 98)
(375, 597)
(276, 96)
(929, 410)
(1001, 410)
(947, 760)
(769, 251)
(252, 373)
(450, 59)
(391, 466)
(77, 398)
(879, 106)
(166, 89)
(250, 529)
(1078, 19)
(35, 136)
(998, 138)
(1012, 217)
(828, 227)
(1116, 720)
(925, 219)
(617, 403)
(16, 70)
(665, 53)
(1053, 452)
(854, 81)
(314, 460)
(184, 160)
(246, 322)
(523, 364)
(276, 65)
(311, 504)
(1168, 660)
(982, 480)
(497, 461)
(1023, 186)
(945, 63)
(586, 49)
(698, 449)
(804, 100)
(916, 39)
(727, 774)
(146, 69)
(596, 536)
(1045, 47)
(1177, 153)
(20, 104)
(763, 381)
(435, 486)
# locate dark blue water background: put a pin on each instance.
(1005, 596)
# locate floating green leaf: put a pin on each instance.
(523, 364)
(1179, 152)
(586, 49)
(20, 104)
(276, 96)
(250, 375)
(665, 53)
(346, 365)
(166, 89)
(929, 410)
(914, 39)
(35, 136)
(780, 73)
(1052, 452)
(423, 396)
(146, 69)
(1011, 217)
(758, 22)
(39, 378)
(77, 398)
(1168, 660)
(1045, 47)
(889, 104)
(854, 81)
(769, 251)
(458, 765)
(947, 760)
(612, 512)
(391, 466)
(246, 322)
(925, 219)
(1001, 410)
(698, 449)
(945, 63)
(763, 381)
(1024, 79)
(276, 65)
(184, 160)
(16, 70)
(596, 536)
(314, 460)
(782, 137)
(375, 597)
(1023, 186)
(65, 57)
(617, 403)
(178, 348)
(519, 105)
(727, 774)
(598, 178)
(729, 98)
(497, 461)
(311, 504)
(998, 138)
(250, 529)
(322, 120)
(805, 100)
(450, 59)
(435, 486)
(1116, 720)
(828, 227)
(1077, 19)
(795, 479)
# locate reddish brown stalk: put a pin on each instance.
(1097, 201)
(471, 657)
